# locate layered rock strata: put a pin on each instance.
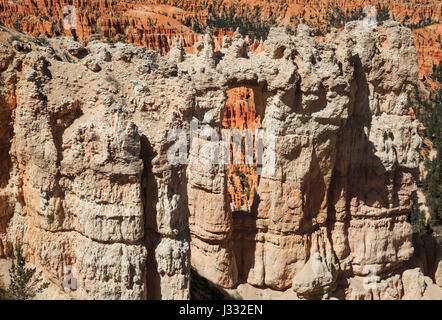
(97, 174)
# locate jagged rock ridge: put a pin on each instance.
(155, 23)
(89, 182)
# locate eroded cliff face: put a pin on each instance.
(429, 48)
(155, 23)
(83, 175)
(88, 134)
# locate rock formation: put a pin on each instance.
(429, 48)
(155, 23)
(97, 175)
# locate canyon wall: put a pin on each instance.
(155, 23)
(428, 44)
(93, 176)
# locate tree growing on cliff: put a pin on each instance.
(17, 26)
(417, 218)
(25, 284)
(429, 113)
(383, 14)
(251, 24)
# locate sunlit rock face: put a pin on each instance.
(94, 182)
(155, 23)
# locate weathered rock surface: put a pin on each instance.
(155, 23)
(87, 179)
(429, 48)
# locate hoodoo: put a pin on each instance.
(86, 180)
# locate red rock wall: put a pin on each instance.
(428, 43)
(154, 25)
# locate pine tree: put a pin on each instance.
(429, 112)
(417, 218)
(24, 283)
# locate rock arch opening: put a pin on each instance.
(241, 116)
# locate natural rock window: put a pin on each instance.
(240, 114)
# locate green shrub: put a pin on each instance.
(25, 284)
(428, 110)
